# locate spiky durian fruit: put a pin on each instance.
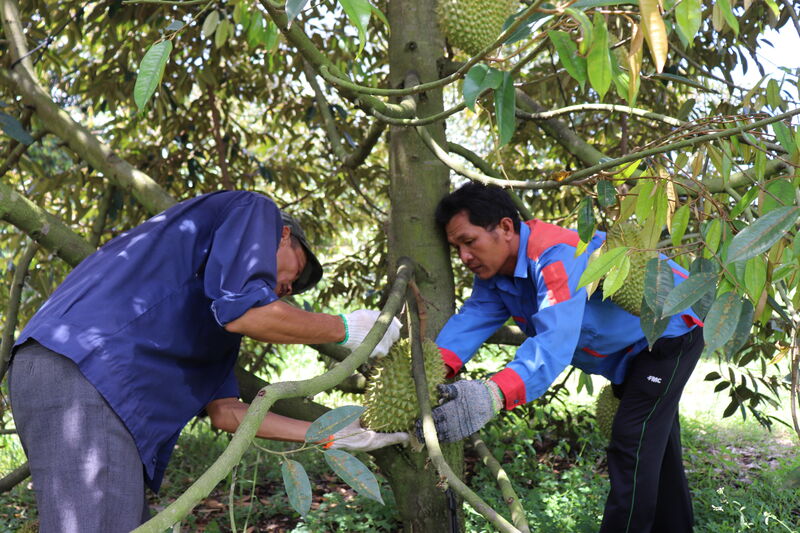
(605, 408)
(629, 296)
(391, 397)
(472, 25)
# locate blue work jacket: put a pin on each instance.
(563, 326)
(143, 317)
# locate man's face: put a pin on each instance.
(485, 252)
(291, 260)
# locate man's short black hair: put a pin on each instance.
(485, 205)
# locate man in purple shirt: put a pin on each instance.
(529, 272)
(143, 335)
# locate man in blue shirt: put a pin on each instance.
(529, 272)
(143, 335)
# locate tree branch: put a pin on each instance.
(364, 148)
(429, 429)
(340, 81)
(42, 227)
(266, 398)
(600, 107)
(15, 477)
(17, 153)
(506, 489)
(14, 299)
(306, 47)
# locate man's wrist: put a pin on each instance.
(346, 329)
(495, 394)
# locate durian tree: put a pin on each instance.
(358, 117)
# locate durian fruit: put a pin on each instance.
(605, 408)
(391, 396)
(472, 25)
(630, 294)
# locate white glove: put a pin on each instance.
(358, 323)
(355, 438)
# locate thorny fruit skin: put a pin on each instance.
(391, 398)
(629, 296)
(472, 25)
(605, 409)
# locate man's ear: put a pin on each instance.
(286, 233)
(507, 226)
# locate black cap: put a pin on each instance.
(312, 273)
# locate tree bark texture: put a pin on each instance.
(418, 180)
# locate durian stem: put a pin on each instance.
(429, 430)
(264, 400)
(510, 497)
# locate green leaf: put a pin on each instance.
(713, 234)
(658, 282)
(586, 221)
(722, 319)
(679, 222)
(293, 8)
(644, 199)
(354, 473)
(616, 277)
(746, 200)
(332, 421)
(255, 30)
(685, 294)
(210, 24)
(359, 13)
(298, 487)
(762, 234)
(478, 79)
(598, 62)
(700, 265)
(784, 135)
(587, 30)
(151, 70)
(567, 50)
(652, 325)
(505, 107)
(224, 29)
(14, 129)
(727, 14)
(755, 276)
(606, 193)
(689, 16)
(601, 265)
(742, 331)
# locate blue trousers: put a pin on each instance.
(649, 492)
(85, 468)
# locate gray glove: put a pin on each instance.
(358, 323)
(468, 406)
(355, 438)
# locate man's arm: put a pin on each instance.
(282, 323)
(227, 413)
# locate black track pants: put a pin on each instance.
(649, 492)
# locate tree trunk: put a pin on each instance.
(418, 181)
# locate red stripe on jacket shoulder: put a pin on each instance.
(557, 283)
(544, 235)
(451, 361)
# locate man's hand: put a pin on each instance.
(357, 325)
(468, 406)
(357, 439)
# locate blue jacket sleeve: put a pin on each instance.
(462, 335)
(241, 269)
(557, 322)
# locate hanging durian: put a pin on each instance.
(472, 25)
(630, 294)
(391, 398)
(605, 409)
